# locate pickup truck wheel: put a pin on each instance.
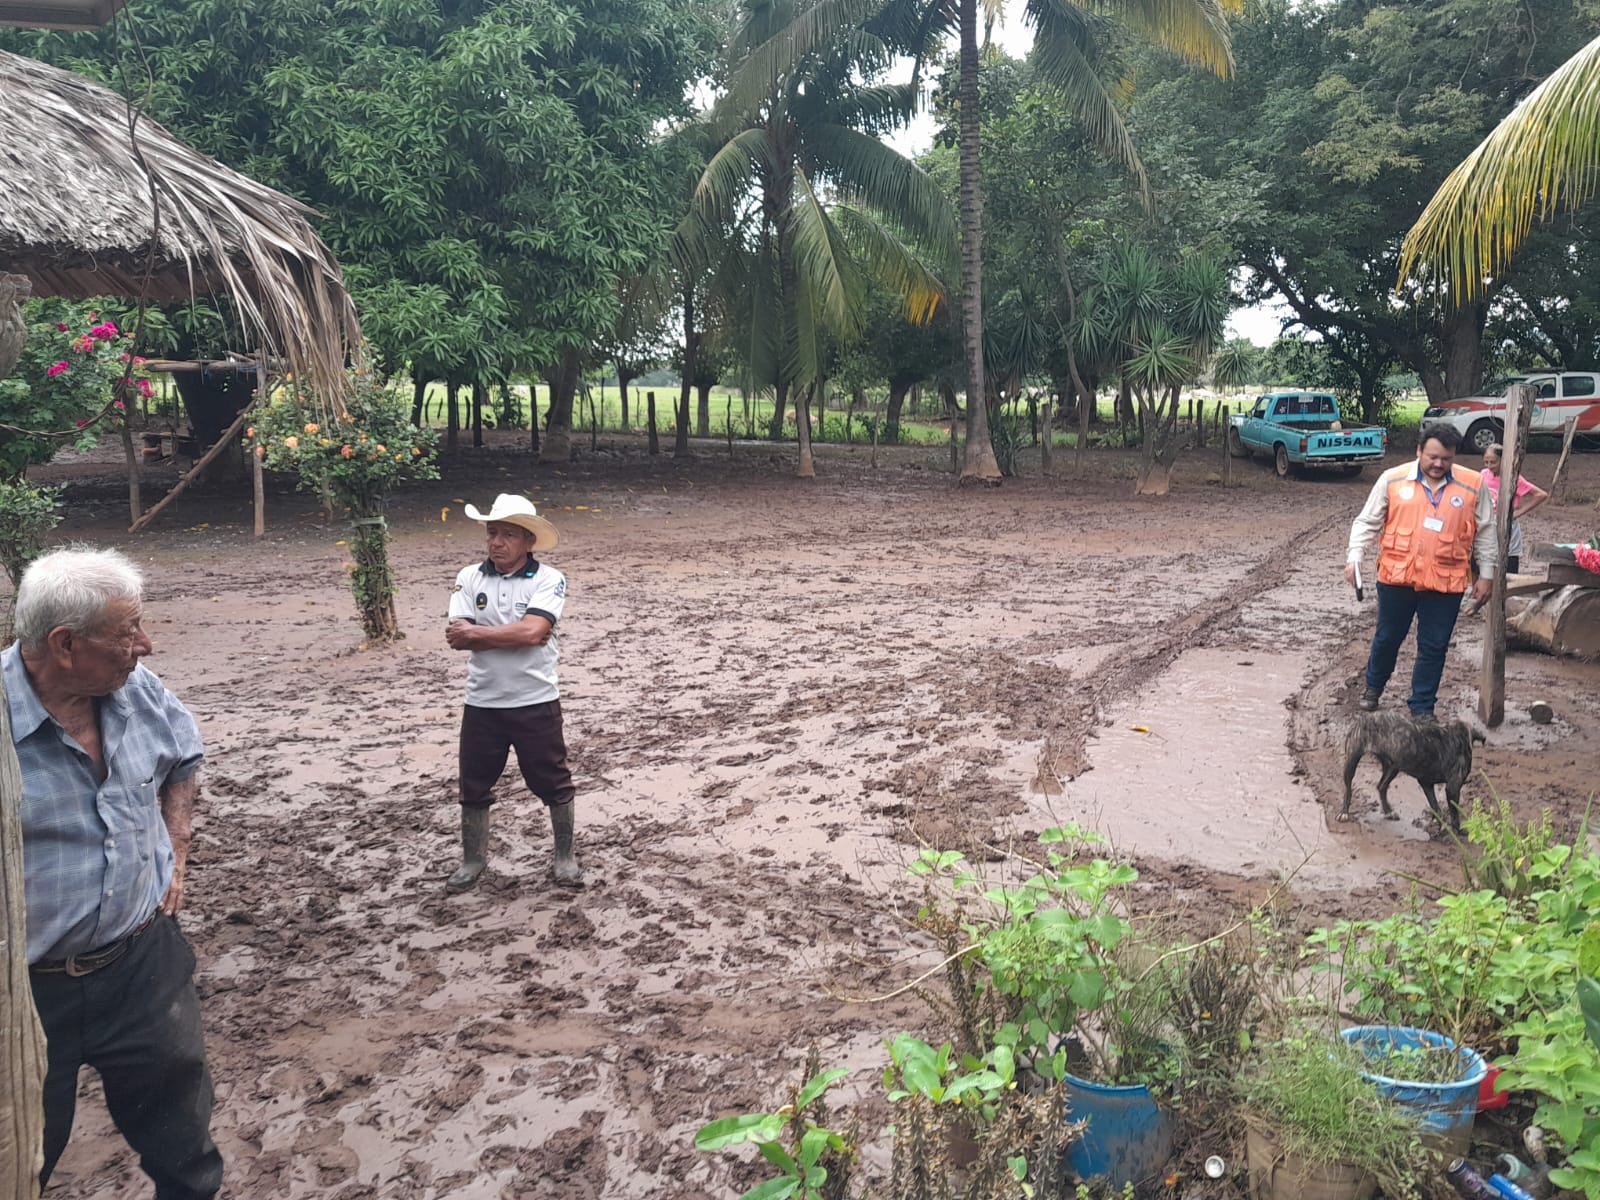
(1236, 446)
(1280, 460)
(1484, 434)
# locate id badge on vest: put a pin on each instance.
(1433, 524)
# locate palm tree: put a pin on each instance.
(800, 204)
(1157, 325)
(1067, 52)
(1542, 157)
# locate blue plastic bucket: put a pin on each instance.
(1128, 1138)
(1445, 1111)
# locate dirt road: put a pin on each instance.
(775, 691)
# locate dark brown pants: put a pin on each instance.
(489, 734)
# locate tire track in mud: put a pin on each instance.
(1073, 724)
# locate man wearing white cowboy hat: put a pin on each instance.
(504, 610)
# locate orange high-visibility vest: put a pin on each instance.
(1428, 546)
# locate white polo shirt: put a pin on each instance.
(510, 678)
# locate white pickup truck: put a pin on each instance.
(1559, 396)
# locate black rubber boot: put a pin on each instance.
(474, 848)
(566, 868)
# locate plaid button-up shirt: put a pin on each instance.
(96, 858)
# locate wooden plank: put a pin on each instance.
(1492, 683)
(1532, 588)
(22, 1049)
(1566, 449)
(1552, 553)
(1572, 575)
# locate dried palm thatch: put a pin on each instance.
(78, 218)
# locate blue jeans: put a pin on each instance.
(1435, 614)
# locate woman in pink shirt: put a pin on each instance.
(1529, 496)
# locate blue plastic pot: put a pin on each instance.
(1128, 1138)
(1445, 1111)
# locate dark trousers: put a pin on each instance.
(1435, 614)
(136, 1022)
(488, 736)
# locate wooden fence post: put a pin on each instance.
(1492, 684)
(259, 491)
(1566, 449)
(1222, 437)
(1200, 423)
(650, 411)
(22, 1050)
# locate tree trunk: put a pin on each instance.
(806, 468)
(22, 1054)
(419, 397)
(477, 412)
(691, 348)
(533, 415)
(623, 380)
(1565, 621)
(558, 432)
(702, 420)
(452, 434)
(819, 393)
(775, 428)
(897, 399)
(1046, 432)
(1461, 332)
(980, 465)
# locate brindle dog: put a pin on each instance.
(1430, 753)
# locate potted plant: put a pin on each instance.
(1039, 968)
(1316, 1127)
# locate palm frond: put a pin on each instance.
(1064, 55)
(875, 175)
(1195, 30)
(729, 172)
(827, 275)
(891, 263)
(758, 73)
(1544, 156)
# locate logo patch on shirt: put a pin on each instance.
(521, 609)
(457, 588)
(561, 588)
(1455, 501)
(1407, 491)
(482, 601)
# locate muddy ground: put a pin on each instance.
(776, 691)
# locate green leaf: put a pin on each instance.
(733, 1131)
(773, 1189)
(816, 1086)
(779, 1157)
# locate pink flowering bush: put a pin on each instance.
(65, 380)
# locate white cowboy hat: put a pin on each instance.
(518, 510)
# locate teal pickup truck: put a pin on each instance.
(1302, 429)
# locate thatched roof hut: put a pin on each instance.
(89, 210)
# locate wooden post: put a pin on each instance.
(874, 445)
(650, 411)
(728, 421)
(1492, 684)
(22, 1050)
(259, 486)
(955, 454)
(134, 501)
(1200, 423)
(194, 472)
(1222, 438)
(1566, 449)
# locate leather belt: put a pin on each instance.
(78, 965)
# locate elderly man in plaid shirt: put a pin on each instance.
(109, 778)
